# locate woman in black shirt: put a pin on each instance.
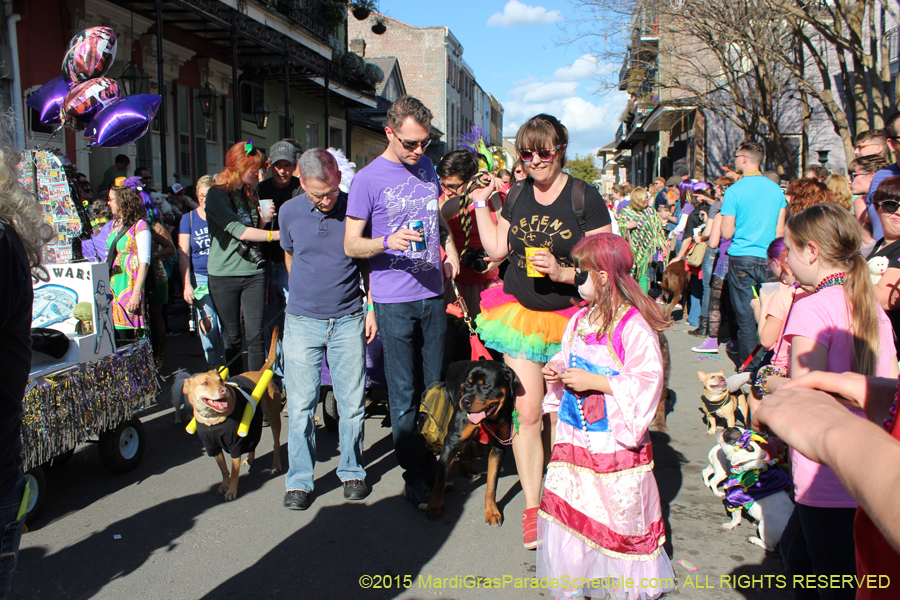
(525, 318)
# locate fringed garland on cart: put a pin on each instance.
(63, 409)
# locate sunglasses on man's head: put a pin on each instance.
(544, 155)
(888, 206)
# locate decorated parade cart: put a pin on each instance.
(82, 388)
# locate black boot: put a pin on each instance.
(702, 329)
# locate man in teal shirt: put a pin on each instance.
(753, 214)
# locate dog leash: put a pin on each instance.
(749, 359)
(460, 310)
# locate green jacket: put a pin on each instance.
(228, 217)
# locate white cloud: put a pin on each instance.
(536, 92)
(517, 14)
(586, 66)
(590, 124)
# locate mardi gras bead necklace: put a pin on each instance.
(831, 281)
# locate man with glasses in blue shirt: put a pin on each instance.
(325, 312)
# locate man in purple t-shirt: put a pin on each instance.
(406, 277)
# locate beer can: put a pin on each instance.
(418, 227)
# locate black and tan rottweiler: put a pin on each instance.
(482, 395)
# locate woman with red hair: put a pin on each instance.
(237, 282)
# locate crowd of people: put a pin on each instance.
(799, 277)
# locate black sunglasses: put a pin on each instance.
(888, 206)
(411, 145)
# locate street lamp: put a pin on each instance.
(133, 78)
(261, 113)
(207, 98)
(823, 156)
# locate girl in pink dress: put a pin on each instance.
(600, 522)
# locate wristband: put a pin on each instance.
(480, 204)
(384, 242)
(269, 235)
(370, 307)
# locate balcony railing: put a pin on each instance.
(893, 36)
(316, 16)
(645, 26)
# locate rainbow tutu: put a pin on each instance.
(506, 326)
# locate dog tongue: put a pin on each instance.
(219, 405)
(477, 417)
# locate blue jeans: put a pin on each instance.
(413, 338)
(11, 535)
(212, 339)
(707, 268)
(305, 341)
(744, 272)
(277, 276)
(819, 541)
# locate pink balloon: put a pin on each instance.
(90, 54)
(85, 100)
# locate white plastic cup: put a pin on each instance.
(266, 210)
(769, 288)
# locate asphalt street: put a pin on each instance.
(162, 532)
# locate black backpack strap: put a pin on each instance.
(578, 202)
(513, 193)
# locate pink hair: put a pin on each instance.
(611, 253)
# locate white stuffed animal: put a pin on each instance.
(877, 266)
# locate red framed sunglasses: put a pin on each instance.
(544, 155)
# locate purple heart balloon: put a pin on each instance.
(123, 121)
(47, 100)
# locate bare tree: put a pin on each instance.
(763, 66)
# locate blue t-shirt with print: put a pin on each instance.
(754, 202)
(195, 226)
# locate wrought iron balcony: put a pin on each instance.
(319, 17)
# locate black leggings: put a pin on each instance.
(718, 309)
(233, 297)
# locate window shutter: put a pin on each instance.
(183, 111)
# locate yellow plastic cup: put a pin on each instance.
(529, 268)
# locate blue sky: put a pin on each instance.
(515, 48)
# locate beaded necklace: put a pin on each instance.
(831, 281)
(752, 173)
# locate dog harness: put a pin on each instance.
(224, 436)
(714, 406)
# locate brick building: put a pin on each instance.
(433, 70)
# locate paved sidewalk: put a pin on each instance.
(180, 541)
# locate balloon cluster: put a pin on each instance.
(84, 99)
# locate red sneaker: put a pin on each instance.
(529, 526)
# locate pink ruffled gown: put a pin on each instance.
(600, 514)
